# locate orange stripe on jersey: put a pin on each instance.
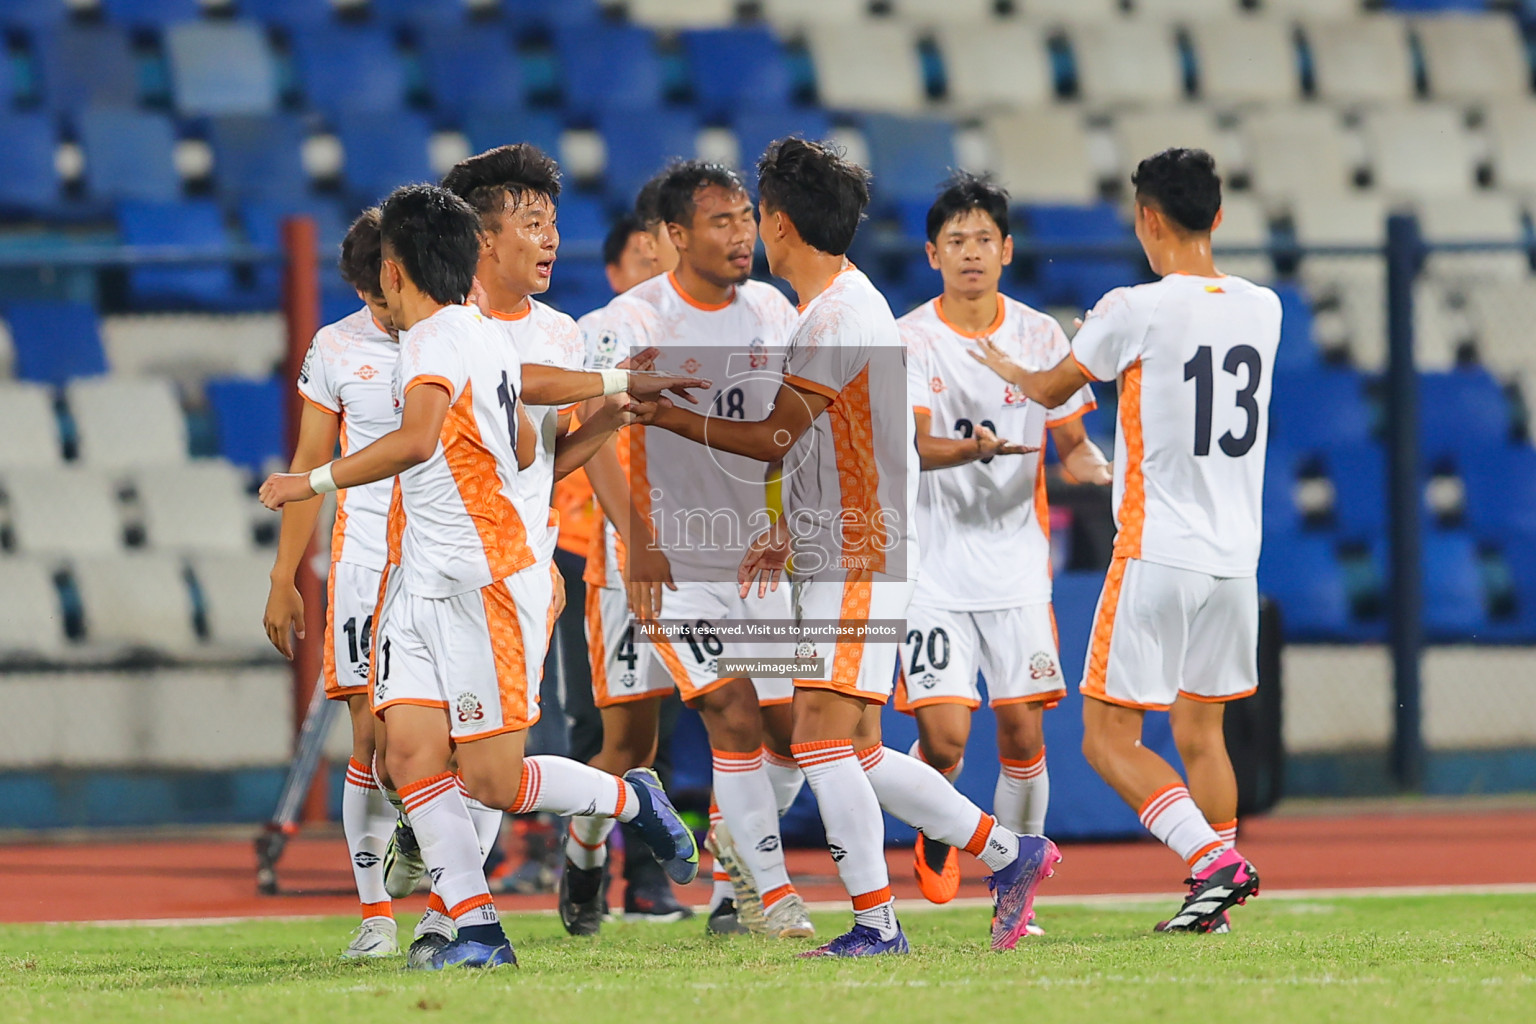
(858, 476)
(597, 652)
(428, 378)
(1133, 504)
(394, 533)
(323, 408)
(1103, 629)
(988, 331)
(507, 649)
(503, 536)
(1043, 507)
(810, 385)
(339, 528)
(557, 582)
(695, 303)
(328, 658)
(1075, 414)
(847, 657)
(1084, 369)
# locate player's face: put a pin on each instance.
(718, 244)
(519, 254)
(380, 310)
(970, 254)
(636, 263)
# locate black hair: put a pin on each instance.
(436, 237)
(680, 185)
(821, 192)
(360, 254)
(648, 203)
(1183, 184)
(617, 239)
(520, 171)
(962, 193)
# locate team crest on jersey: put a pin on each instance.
(367, 372)
(1013, 395)
(469, 708)
(607, 343)
(691, 366)
(757, 354)
(937, 384)
(1042, 666)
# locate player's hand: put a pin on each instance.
(999, 362)
(281, 488)
(646, 571)
(645, 359)
(647, 386)
(989, 444)
(765, 560)
(559, 601)
(645, 413)
(284, 617)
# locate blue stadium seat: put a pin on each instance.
(33, 14)
(472, 69)
(1453, 587)
(221, 68)
(608, 67)
(1303, 575)
(1297, 350)
(151, 13)
(1320, 409)
(731, 69)
(638, 147)
(197, 223)
(289, 14)
(259, 157)
(83, 65)
(755, 129)
(262, 221)
(1501, 490)
(352, 69)
(1358, 473)
(129, 154)
(582, 221)
(909, 156)
(579, 286)
(543, 15)
(1461, 409)
(1080, 280)
(249, 415)
(384, 151)
(432, 15)
(1282, 469)
(1520, 557)
(55, 341)
(29, 184)
(487, 129)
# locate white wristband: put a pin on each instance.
(320, 479)
(614, 381)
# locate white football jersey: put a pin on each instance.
(465, 518)
(985, 525)
(1195, 358)
(851, 480)
(545, 336)
(705, 506)
(349, 370)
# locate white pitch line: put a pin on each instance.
(1127, 900)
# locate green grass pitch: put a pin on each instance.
(1420, 959)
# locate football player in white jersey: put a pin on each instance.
(1177, 624)
(465, 600)
(709, 317)
(345, 381)
(983, 600)
(842, 425)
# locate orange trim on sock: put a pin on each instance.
(415, 787)
(435, 902)
(385, 909)
(571, 830)
(871, 756)
(777, 893)
(1224, 826)
(979, 837)
(465, 906)
(1207, 848)
(822, 752)
(1155, 797)
(721, 876)
(618, 808)
(870, 900)
(528, 788)
(779, 759)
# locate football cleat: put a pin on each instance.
(723, 920)
(583, 898)
(749, 906)
(403, 866)
(375, 937)
(1013, 889)
(1222, 886)
(419, 956)
(648, 896)
(670, 840)
(788, 918)
(861, 941)
(468, 953)
(937, 868)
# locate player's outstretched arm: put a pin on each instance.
(410, 444)
(550, 385)
(1048, 387)
(284, 615)
(767, 440)
(946, 452)
(1080, 457)
(575, 448)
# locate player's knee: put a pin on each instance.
(943, 751)
(404, 764)
(1020, 740)
(497, 789)
(1196, 740)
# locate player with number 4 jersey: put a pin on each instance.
(1177, 623)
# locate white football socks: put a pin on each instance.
(367, 822)
(850, 812)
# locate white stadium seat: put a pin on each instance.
(1182, 9)
(1295, 151)
(876, 68)
(1127, 63)
(941, 12)
(1139, 134)
(1511, 129)
(1017, 141)
(1502, 313)
(798, 15)
(201, 506)
(1485, 217)
(29, 433)
(136, 602)
(234, 589)
(1355, 284)
(1363, 60)
(7, 351)
(1418, 151)
(1057, 12)
(63, 511)
(31, 621)
(667, 14)
(999, 65)
(1474, 57)
(127, 421)
(1245, 225)
(1323, 219)
(189, 347)
(1310, 8)
(1439, 327)
(1245, 60)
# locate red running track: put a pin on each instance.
(159, 878)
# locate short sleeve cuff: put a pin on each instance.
(815, 387)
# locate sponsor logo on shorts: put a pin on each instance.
(805, 649)
(838, 853)
(379, 690)
(629, 680)
(469, 708)
(1042, 666)
(927, 680)
(767, 844)
(364, 859)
